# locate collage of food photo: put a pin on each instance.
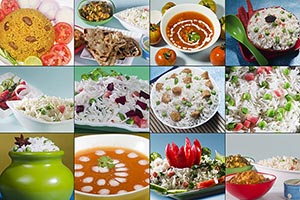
(149, 100)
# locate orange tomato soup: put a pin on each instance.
(130, 171)
(182, 28)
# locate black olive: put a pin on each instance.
(270, 18)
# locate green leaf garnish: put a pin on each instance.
(106, 161)
(193, 37)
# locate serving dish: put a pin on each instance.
(32, 91)
(111, 123)
(250, 191)
(213, 33)
(36, 125)
(83, 3)
(132, 27)
(282, 175)
(57, 7)
(155, 98)
(132, 142)
(184, 59)
(85, 54)
(241, 55)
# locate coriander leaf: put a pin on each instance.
(106, 161)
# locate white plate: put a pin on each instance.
(64, 3)
(129, 26)
(85, 54)
(34, 92)
(162, 80)
(36, 125)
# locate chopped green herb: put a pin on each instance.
(157, 103)
(245, 110)
(130, 121)
(168, 88)
(200, 108)
(256, 29)
(154, 155)
(189, 104)
(277, 39)
(251, 69)
(227, 111)
(177, 107)
(288, 97)
(274, 24)
(246, 96)
(164, 114)
(288, 106)
(289, 15)
(213, 92)
(227, 97)
(49, 107)
(106, 161)
(188, 85)
(234, 79)
(279, 117)
(290, 31)
(231, 126)
(209, 101)
(297, 97)
(42, 111)
(270, 112)
(286, 71)
(264, 84)
(282, 19)
(182, 114)
(197, 78)
(121, 116)
(289, 44)
(231, 102)
(92, 100)
(280, 110)
(262, 124)
(267, 96)
(193, 36)
(286, 85)
(176, 81)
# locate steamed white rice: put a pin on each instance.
(104, 108)
(162, 174)
(47, 108)
(38, 144)
(281, 34)
(257, 105)
(281, 162)
(138, 17)
(191, 92)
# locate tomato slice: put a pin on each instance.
(63, 52)
(51, 59)
(63, 33)
(9, 6)
(206, 184)
(2, 14)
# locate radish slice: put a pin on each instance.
(24, 90)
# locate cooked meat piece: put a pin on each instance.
(186, 70)
(205, 75)
(166, 98)
(177, 91)
(205, 93)
(209, 84)
(159, 87)
(173, 75)
(195, 114)
(187, 79)
(175, 116)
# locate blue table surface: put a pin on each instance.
(233, 54)
(217, 74)
(212, 141)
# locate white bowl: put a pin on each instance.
(133, 142)
(128, 25)
(36, 125)
(282, 175)
(195, 8)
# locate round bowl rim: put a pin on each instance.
(91, 136)
(256, 184)
(83, 2)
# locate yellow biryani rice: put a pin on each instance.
(26, 32)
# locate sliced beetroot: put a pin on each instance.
(121, 100)
(130, 113)
(141, 104)
(139, 113)
(144, 94)
(110, 87)
(79, 108)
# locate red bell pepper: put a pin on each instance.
(185, 156)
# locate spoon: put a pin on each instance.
(236, 29)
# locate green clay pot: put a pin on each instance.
(36, 176)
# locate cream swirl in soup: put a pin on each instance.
(190, 30)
